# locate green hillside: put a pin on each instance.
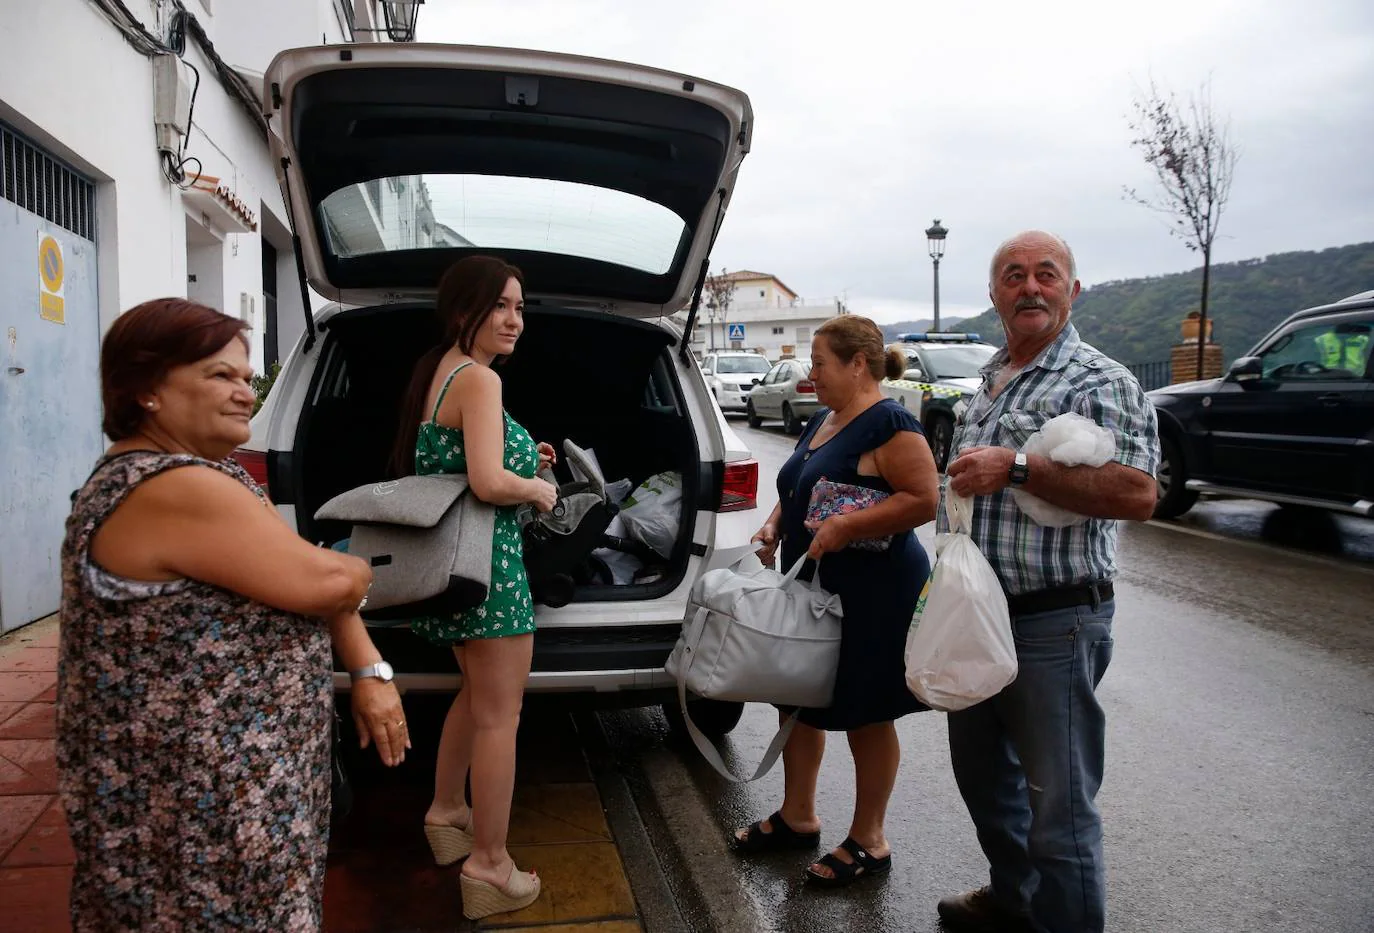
(1137, 320)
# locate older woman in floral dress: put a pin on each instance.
(194, 697)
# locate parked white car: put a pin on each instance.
(731, 375)
(605, 183)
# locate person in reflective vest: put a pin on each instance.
(1348, 351)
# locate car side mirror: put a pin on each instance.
(915, 375)
(756, 381)
(1246, 369)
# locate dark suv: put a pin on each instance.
(1291, 422)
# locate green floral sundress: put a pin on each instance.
(508, 609)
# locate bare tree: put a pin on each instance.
(720, 292)
(1194, 160)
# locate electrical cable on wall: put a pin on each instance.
(184, 23)
(174, 164)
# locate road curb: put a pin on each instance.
(676, 821)
(658, 909)
(692, 834)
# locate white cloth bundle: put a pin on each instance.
(1072, 440)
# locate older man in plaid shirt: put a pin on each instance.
(1029, 761)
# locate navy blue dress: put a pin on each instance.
(877, 589)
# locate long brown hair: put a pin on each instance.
(850, 334)
(148, 341)
(468, 293)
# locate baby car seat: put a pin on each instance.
(559, 542)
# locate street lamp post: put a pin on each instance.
(400, 17)
(935, 241)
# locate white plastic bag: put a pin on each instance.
(959, 650)
(652, 513)
(1072, 440)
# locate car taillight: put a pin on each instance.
(806, 387)
(739, 489)
(255, 462)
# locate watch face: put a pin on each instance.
(384, 671)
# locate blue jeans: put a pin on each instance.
(1029, 764)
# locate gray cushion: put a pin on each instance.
(428, 540)
(413, 501)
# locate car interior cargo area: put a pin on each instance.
(604, 383)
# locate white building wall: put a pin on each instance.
(99, 118)
(797, 325)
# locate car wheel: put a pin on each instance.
(1174, 496)
(790, 424)
(751, 415)
(715, 718)
(941, 434)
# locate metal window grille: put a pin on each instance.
(41, 184)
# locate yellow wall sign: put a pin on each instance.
(51, 303)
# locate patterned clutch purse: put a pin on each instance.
(830, 498)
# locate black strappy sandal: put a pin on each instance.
(781, 837)
(846, 873)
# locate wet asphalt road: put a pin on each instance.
(1240, 782)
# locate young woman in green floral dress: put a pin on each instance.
(481, 306)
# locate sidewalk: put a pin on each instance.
(380, 876)
(35, 854)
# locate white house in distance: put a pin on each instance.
(134, 164)
(764, 315)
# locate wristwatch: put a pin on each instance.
(381, 670)
(1020, 470)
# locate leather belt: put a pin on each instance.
(1060, 597)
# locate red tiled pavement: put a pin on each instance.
(17, 815)
(23, 686)
(32, 721)
(35, 899)
(45, 844)
(35, 851)
(37, 758)
(29, 659)
(380, 874)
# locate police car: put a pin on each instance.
(941, 371)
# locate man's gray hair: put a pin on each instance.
(1063, 243)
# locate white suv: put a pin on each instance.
(606, 183)
(731, 376)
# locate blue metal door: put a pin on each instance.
(49, 369)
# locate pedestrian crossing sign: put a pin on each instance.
(736, 332)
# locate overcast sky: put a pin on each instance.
(875, 118)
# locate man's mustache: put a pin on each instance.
(1023, 304)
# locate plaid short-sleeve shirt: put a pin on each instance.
(1068, 376)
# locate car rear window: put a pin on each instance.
(736, 365)
(958, 361)
(439, 211)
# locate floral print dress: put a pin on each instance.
(508, 609)
(193, 739)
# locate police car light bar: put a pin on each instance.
(934, 337)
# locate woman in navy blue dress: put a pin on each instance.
(865, 439)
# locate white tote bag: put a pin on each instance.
(759, 637)
(960, 650)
